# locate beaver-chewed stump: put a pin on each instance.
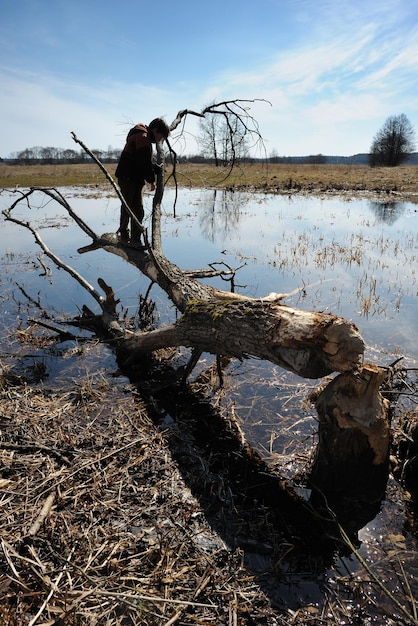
(351, 465)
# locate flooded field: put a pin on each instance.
(353, 258)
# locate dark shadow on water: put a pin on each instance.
(285, 542)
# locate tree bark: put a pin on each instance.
(309, 344)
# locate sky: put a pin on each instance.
(322, 76)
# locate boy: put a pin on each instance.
(135, 167)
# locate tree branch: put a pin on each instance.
(58, 262)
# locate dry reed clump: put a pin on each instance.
(98, 527)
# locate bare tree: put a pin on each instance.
(49, 155)
(393, 143)
(27, 156)
(223, 139)
(239, 125)
(208, 138)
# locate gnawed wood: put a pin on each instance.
(354, 434)
(310, 344)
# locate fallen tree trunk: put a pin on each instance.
(310, 344)
(307, 343)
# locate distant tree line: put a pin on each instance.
(224, 140)
(56, 156)
(311, 159)
(51, 156)
(61, 157)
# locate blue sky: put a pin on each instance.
(331, 70)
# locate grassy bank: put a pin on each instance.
(276, 178)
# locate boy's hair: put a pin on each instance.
(160, 126)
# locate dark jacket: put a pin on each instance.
(135, 161)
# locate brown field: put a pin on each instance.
(275, 178)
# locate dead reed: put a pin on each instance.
(97, 525)
(102, 521)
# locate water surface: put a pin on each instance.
(353, 258)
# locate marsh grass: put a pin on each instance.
(98, 525)
(272, 178)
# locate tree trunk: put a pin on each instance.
(351, 466)
(309, 344)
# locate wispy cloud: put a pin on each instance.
(49, 108)
(319, 89)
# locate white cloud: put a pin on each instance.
(44, 110)
(331, 97)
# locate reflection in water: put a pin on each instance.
(387, 212)
(221, 213)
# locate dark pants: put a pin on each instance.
(132, 192)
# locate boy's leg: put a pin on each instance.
(126, 191)
(138, 210)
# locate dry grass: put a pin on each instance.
(49, 175)
(398, 181)
(98, 526)
(114, 516)
(106, 519)
(282, 178)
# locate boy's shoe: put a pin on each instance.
(123, 236)
(137, 243)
